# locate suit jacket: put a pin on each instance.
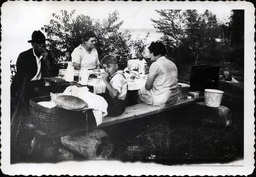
(27, 67)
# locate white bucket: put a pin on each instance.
(212, 97)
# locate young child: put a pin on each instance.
(116, 86)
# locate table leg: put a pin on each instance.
(86, 122)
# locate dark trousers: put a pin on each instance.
(115, 105)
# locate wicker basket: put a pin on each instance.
(56, 122)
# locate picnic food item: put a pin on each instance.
(70, 102)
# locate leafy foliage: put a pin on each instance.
(138, 46)
(237, 27)
(65, 32)
(236, 30)
(13, 69)
(187, 33)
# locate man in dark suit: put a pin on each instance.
(32, 65)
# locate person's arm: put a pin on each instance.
(150, 81)
(153, 70)
(97, 61)
(76, 61)
(76, 65)
(49, 68)
(112, 91)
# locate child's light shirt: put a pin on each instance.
(119, 82)
(85, 59)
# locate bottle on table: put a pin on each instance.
(83, 76)
(69, 74)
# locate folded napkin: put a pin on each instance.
(95, 102)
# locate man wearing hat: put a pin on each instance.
(32, 65)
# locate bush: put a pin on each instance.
(65, 32)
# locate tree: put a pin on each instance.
(237, 27)
(187, 33)
(65, 32)
(138, 46)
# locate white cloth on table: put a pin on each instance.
(95, 102)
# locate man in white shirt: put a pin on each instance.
(32, 65)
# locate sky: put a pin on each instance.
(20, 19)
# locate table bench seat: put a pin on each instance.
(142, 110)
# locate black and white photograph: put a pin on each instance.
(127, 88)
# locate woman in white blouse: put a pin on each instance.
(162, 84)
(85, 56)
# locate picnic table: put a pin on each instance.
(133, 111)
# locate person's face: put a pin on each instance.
(152, 57)
(110, 68)
(90, 44)
(39, 47)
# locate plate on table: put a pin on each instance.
(69, 102)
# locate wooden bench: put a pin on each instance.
(142, 110)
(133, 112)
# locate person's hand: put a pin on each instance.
(97, 69)
(105, 77)
(44, 54)
(77, 66)
(47, 83)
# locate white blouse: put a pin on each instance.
(85, 59)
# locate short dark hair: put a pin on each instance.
(157, 48)
(109, 59)
(87, 35)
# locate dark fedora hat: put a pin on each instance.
(37, 36)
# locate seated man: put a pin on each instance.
(32, 65)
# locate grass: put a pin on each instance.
(172, 138)
(175, 139)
